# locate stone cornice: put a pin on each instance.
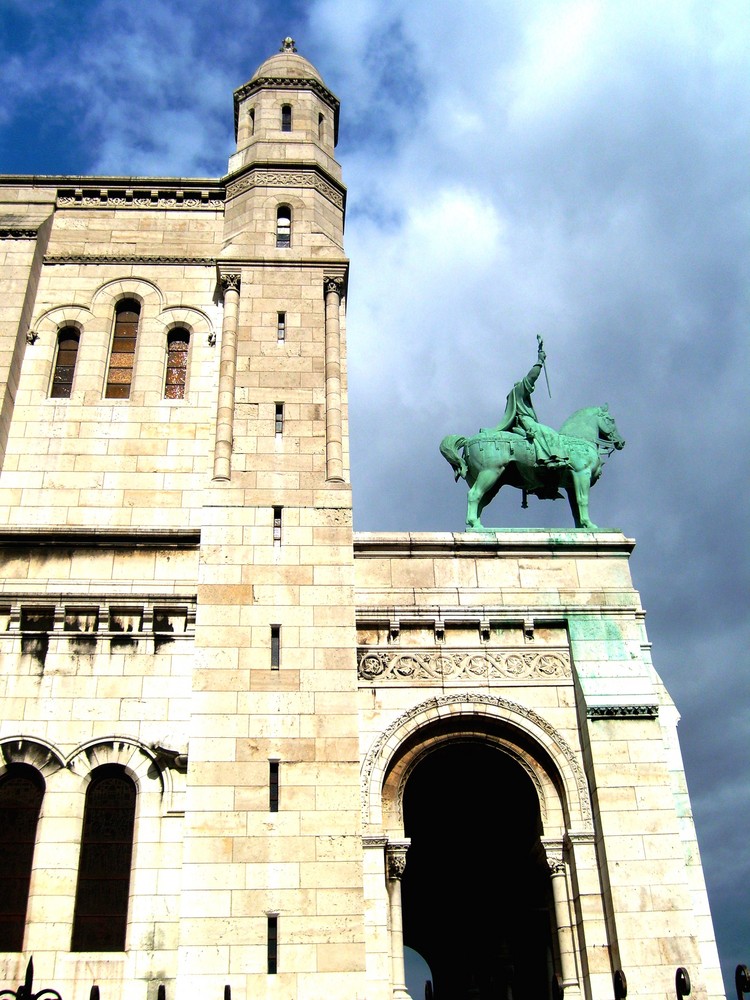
(72, 536)
(521, 541)
(277, 175)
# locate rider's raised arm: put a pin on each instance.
(530, 380)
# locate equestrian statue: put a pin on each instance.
(525, 453)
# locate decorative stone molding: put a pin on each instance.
(12, 233)
(473, 704)
(127, 258)
(622, 712)
(89, 617)
(121, 196)
(24, 750)
(408, 665)
(272, 177)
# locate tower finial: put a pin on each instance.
(288, 45)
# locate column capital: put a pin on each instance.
(395, 858)
(554, 852)
(333, 283)
(230, 280)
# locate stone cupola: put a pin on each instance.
(284, 114)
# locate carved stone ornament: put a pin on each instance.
(13, 233)
(288, 45)
(263, 177)
(156, 198)
(408, 665)
(622, 712)
(126, 258)
(230, 282)
(395, 855)
(335, 285)
(31, 336)
(473, 701)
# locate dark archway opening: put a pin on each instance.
(476, 892)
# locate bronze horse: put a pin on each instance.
(492, 459)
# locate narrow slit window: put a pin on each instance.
(275, 647)
(273, 786)
(321, 126)
(251, 120)
(178, 345)
(277, 525)
(65, 364)
(281, 327)
(279, 420)
(122, 357)
(21, 794)
(283, 226)
(273, 944)
(101, 906)
(286, 118)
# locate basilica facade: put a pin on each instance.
(245, 750)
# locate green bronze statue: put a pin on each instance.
(531, 456)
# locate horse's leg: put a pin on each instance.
(484, 482)
(571, 491)
(582, 485)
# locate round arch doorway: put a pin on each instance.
(476, 890)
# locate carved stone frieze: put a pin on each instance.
(622, 712)
(262, 177)
(122, 197)
(11, 233)
(126, 258)
(410, 665)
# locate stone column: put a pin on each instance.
(334, 446)
(558, 872)
(227, 372)
(395, 858)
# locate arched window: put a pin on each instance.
(178, 344)
(101, 908)
(21, 794)
(65, 363)
(286, 118)
(122, 358)
(283, 226)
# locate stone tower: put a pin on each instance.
(240, 744)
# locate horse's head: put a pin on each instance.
(608, 428)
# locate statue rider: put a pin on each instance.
(521, 418)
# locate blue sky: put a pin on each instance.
(576, 168)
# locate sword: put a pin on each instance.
(540, 346)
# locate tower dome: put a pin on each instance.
(288, 64)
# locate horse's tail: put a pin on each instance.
(450, 449)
